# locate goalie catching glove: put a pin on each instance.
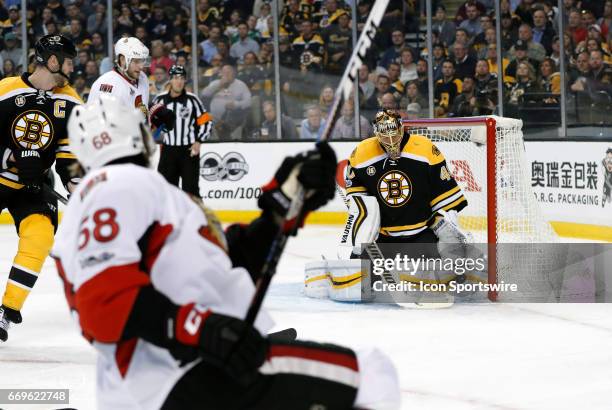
(315, 171)
(453, 242)
(228, 342)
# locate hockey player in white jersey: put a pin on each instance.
(129, 83)
(159, 290)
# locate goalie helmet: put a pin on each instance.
(130, 48)
(389, 131)
(105, 130)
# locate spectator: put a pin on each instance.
(489, 39)
(413, 111)
(485, 85)
(576, 27)
(158, 24)
(179, 46)
(509, 33)
(550, 79)
(525, 83)
(605, 21)
(520, 55)
(11, 51)
(291, 16)
(40, 26)
(313, 125)
(422, 74)
(57, 9)
(9, 69)
(388, 102)
(413, 95)
(231, 28)
(91, 73)
(374, 102)
(482, 39)
(14, 18)
(308, 49)
(80, 86)
(159, 56)
(338, 38)
(464, 64)
(462, 10)
(578, 75)
(392, 54)
(461, 37)
(445, 28)
(326, 100)
(223, 50)
(243, 44)
(268, 126)
(230, 100)
(81, 60)
(253, 75)
(212, 73)
(345, 126)
(397, 86)
(141, 34)
(77, 34)
(209, 46)
(262, 20)
(543, 33)
(408, 67)
(446, 88)
(160, 80)
(535, 51)
(599, 72)
(524, 10)
(439, 55)
(207, 16)
(366, 86)
(98, 49)
(125, 21)
(472, 22)
(465, 103)
(491, 58)
(254, 34)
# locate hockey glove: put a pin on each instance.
(30, 167)
(315, 170)
(228, 342)
(160, 115)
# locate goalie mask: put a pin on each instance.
(388, 129)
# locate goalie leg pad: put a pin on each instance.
(336, 280)
(362, 225)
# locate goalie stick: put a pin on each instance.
(296, 209)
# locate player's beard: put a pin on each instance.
(60, 80)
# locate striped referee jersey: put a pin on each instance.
(193, 122)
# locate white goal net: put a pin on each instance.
(486, 155)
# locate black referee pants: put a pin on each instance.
(175, 162)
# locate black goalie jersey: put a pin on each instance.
(410, 190)
(35, 120)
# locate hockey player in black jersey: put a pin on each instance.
(35, 109)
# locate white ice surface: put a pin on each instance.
(487, 356)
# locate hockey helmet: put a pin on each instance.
(177, 70)
(105, 130)
(54, 45)
(388, 129)
(130, 48)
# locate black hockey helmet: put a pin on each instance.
(57, 45)
(177, 70)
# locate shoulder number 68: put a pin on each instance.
(105, 227)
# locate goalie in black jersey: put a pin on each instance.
(400, 189)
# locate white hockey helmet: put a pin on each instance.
(105, 130)
(130, 48)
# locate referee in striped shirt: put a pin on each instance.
(180, 152)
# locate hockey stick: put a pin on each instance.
(56, 194)
(296, 209)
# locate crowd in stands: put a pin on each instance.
(235, 57)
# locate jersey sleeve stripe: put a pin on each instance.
(67, 97)
(63, 141)
(444, 196)
(105, 301)
(355, 189)
(65, 155)
(458, 205)
(447, 201)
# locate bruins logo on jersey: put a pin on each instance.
(32, 130)
(395, 188)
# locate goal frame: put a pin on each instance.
(490, 124)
